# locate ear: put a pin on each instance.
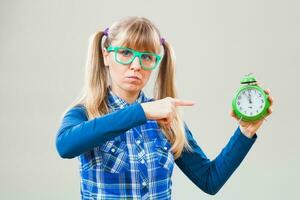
(105, 56)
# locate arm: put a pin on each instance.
(209, 175)
(77, 134)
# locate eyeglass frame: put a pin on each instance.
(135, 54)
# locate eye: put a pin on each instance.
(125, 52)
(147, 57)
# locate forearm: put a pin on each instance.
(224, 165)
(78, 135)
(208, 175)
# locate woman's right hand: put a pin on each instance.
(164, 110)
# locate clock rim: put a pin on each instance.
(245, 117)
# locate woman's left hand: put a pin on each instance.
(250, 128)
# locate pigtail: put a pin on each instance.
(96, 77)
(165, 87)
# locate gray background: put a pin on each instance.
(42, 54)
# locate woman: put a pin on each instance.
(127, 143)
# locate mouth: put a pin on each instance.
(134, 77)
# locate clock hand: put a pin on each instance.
(249, 97)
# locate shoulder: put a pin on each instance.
(78, 111)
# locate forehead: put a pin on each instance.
(138, 42)
(137, 47)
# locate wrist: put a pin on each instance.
(144, 106)
(246, 132)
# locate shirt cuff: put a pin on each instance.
(243, 139)
(140, 113)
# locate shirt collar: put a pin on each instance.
(117, 102)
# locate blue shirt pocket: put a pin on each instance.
(114, 156)
(165, 158)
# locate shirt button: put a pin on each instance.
(142, 161)
(144, 183)
(113, 150)
(165, 148)
(138, 141)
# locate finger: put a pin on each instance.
(267, 91)
(164, 120)
(271, 99)
(161, 121)
(178, 102)
(168, 124)
(270, 110)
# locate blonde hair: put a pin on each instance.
(137, 33)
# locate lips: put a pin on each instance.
(134, 77)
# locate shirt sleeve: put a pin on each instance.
(211, 175)
(77, 134)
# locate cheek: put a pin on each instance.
(147, 75)
(114, 69)
(116, 72)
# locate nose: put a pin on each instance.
(135, 64)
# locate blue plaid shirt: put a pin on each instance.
(125, 156)
(137, 164)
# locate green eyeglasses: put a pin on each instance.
(124, 55)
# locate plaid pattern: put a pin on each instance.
(137, 164)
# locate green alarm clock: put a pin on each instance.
(250, 102)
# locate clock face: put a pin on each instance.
(250, 102)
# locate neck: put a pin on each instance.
(129, 97)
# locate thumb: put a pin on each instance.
(232, 114)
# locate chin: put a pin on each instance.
(133, 88)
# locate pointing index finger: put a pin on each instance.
(183, 103)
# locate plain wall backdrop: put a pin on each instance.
(42, 56)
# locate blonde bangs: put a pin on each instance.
(141, 37)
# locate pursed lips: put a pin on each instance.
(135, 77)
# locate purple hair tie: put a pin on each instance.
(162, 40)
(105, 32)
